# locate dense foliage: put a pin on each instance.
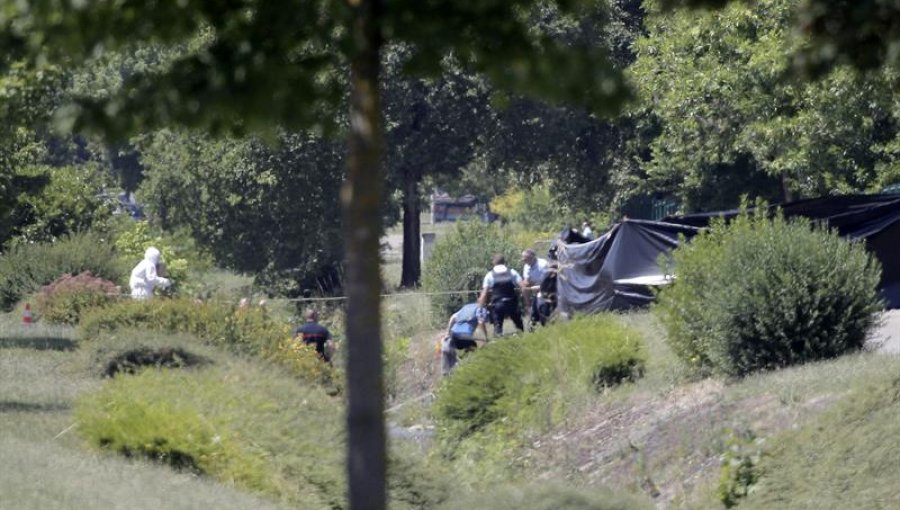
(731, 119)
(68, 203)
(459, 262)
(535, 209)
(269, 211)
(178, 256)
(761, 293)
(25, 268)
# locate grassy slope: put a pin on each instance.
(664, 434)
(40, 376)
(849, 457)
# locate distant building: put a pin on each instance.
(447, 208)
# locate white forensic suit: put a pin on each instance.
(144, 278)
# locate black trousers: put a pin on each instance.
(500, 310)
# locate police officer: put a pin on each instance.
(500, 288)
(461, 334)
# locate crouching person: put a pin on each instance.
(313, 333)
(461, 332)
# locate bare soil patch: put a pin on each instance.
(661, 444)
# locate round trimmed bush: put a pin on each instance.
(520, 381)
(760, 293)
(459, 262)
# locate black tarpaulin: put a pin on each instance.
(615, 271)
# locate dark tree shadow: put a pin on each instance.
(168, 357)
(38, 343)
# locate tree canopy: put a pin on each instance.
(752, 125)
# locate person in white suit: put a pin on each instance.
(144, 278)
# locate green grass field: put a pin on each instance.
(45, 464)
(822, 431)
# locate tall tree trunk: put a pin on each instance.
(412, 239)
(361, 202)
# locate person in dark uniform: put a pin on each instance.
(500, 288)
(311, 332)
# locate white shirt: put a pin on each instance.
(488, 282)
(534, 273)
(588, 233)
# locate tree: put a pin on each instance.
(433, 128)
(276, 63)
(270, 211)
(751, 126)
(582, 158)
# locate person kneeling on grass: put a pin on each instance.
(461, 334)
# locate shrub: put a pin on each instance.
(242, 424)
(26, 268)
(517, 379)
(761, 293)
(303, 361)
(68, 297)
(196, 421)
(549, 497)
(534, 209)
(69, 203)
(137, 236)
(242, 331)
(459, 262)
(740, 467)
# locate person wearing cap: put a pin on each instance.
(587, 230)
(144, 277)
(313, 333)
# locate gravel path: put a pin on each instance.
(886, 338)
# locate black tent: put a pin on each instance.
(617, 270)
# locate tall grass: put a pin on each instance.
(27, 267)
(44, 466)
(544, 496)
(241, 423)
(846, 458)
(47, 476)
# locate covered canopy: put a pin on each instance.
(618, 270)
(615, 271)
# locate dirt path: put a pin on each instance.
(886, 338)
